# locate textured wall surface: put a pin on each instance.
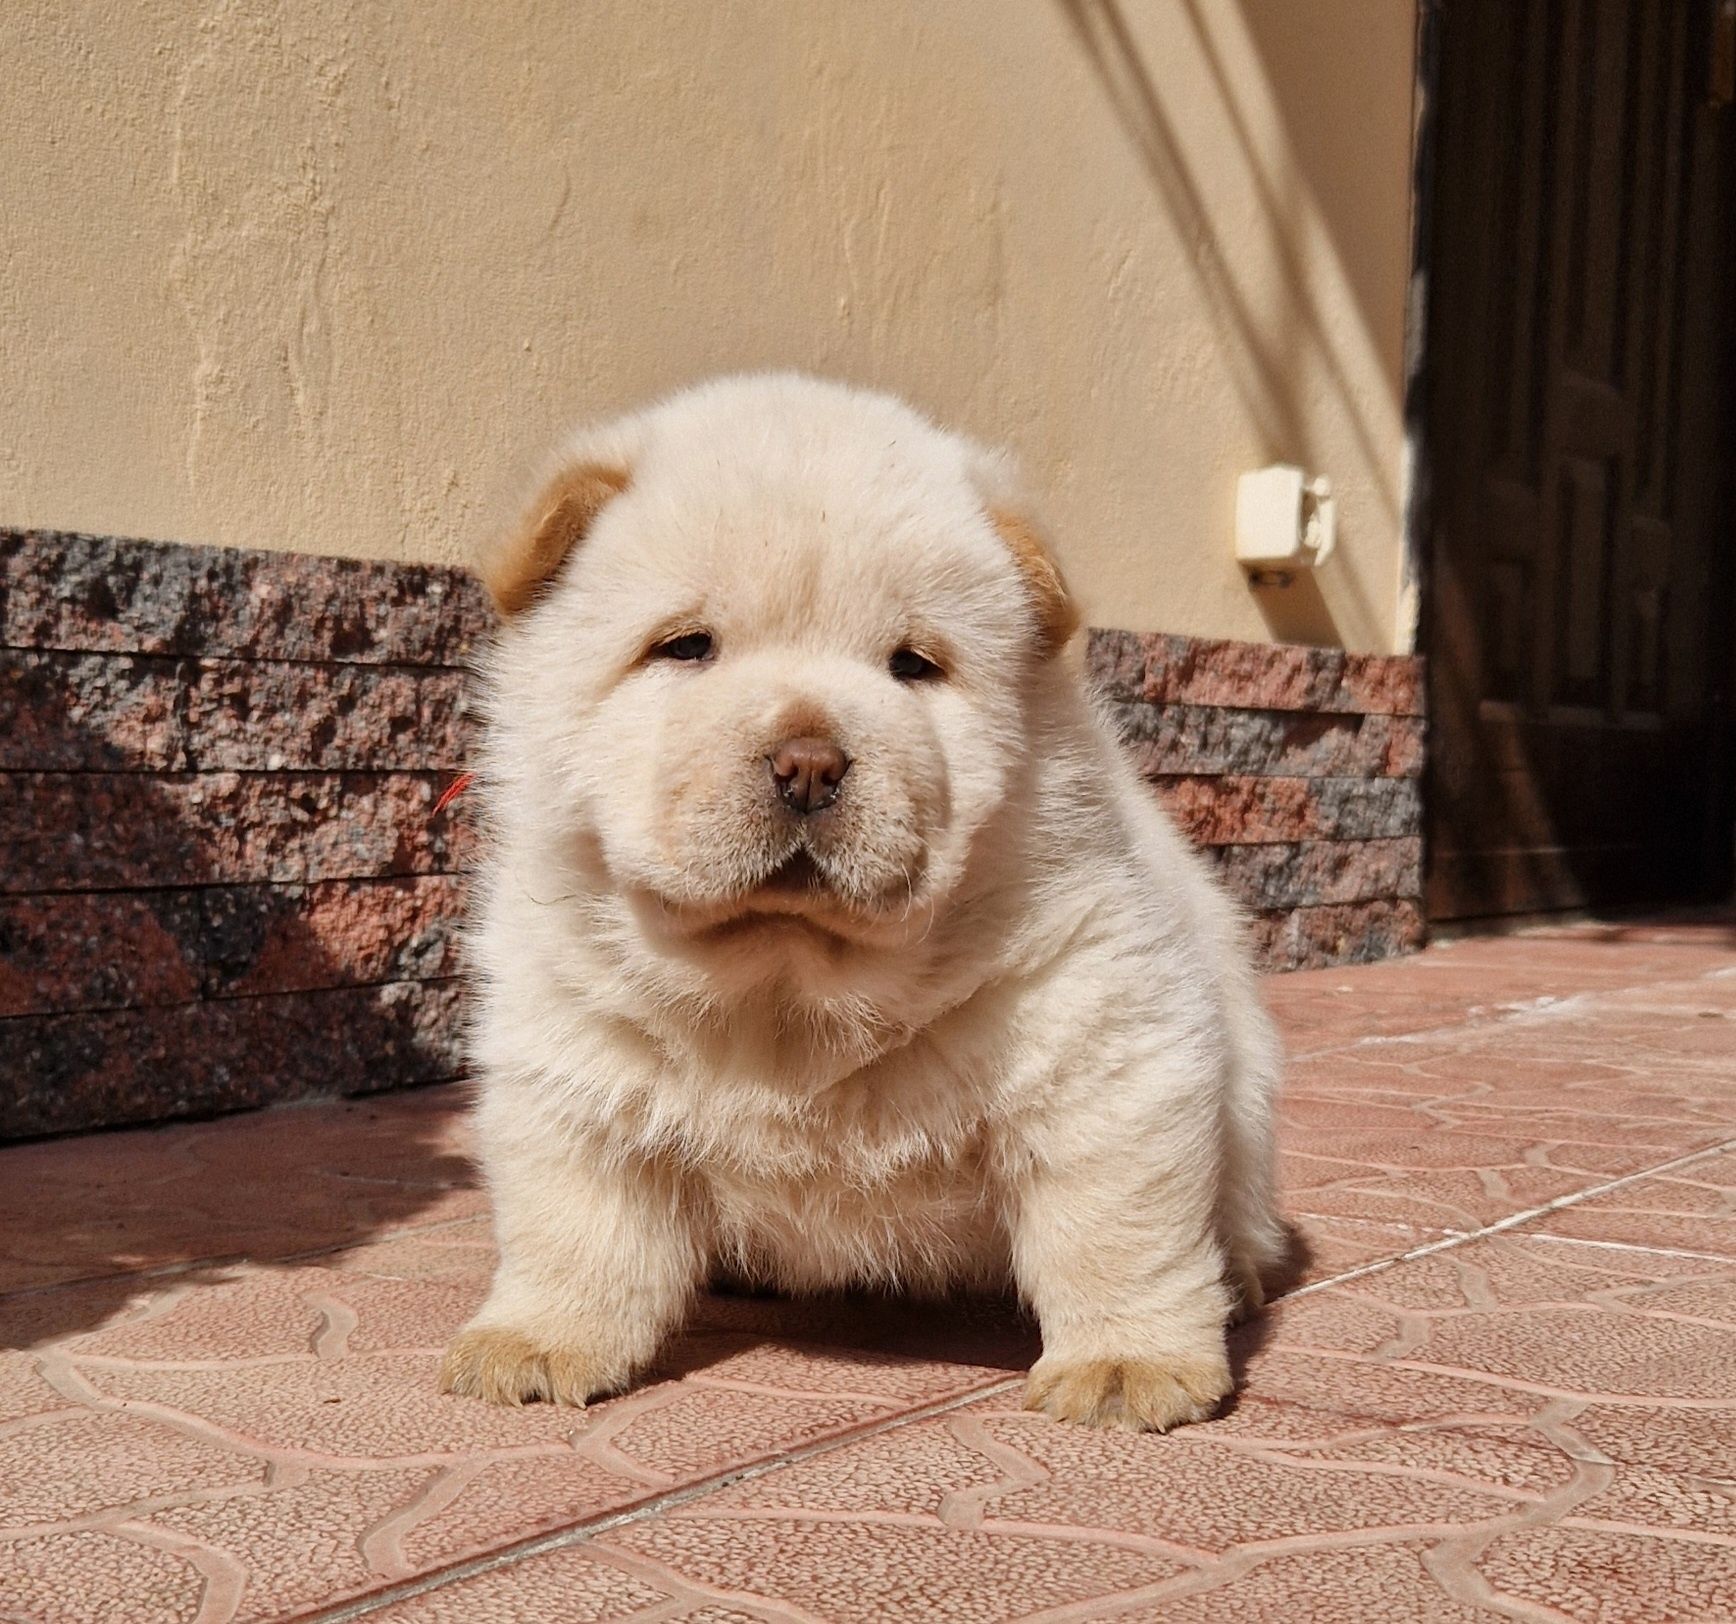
(222, 881)
(323, 275)
(1297, 769)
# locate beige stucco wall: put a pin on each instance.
(317, 274)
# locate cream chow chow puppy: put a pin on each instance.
(825, 939)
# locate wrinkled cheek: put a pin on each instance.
(686, 803)
(697, 824)
(894, 811)
(978, 790)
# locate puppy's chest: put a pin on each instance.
(891, 1175)
(874, 1185)
(930, 1225)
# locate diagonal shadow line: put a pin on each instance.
(1282, 243)
(1108, 42)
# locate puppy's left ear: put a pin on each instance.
(1057, 615)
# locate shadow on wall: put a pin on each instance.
(1271, 360)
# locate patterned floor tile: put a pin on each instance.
(1467, 1434)
(1500, 1386)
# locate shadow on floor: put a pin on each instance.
(89, 1223)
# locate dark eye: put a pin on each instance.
(688, 646)
(909, 666)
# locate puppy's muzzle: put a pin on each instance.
(807, 773)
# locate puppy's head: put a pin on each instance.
(762, 670)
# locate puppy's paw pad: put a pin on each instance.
(1130, 1395)
(508, 1367)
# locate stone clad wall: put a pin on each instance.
(1297, 769)
(222, 883)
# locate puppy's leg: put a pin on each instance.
(597, 1263)
(1115, 1247)
(1255, 1238)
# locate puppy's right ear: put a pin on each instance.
(523, 565)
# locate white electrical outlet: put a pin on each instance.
(1284, 521)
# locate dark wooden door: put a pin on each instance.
(1578, 610)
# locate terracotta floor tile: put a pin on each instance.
(279, 1409)
(1709, 928)
(1443, 1167)
(872, 1569)
(218, 1340)
(1450, 1435)
(1476, 982)
(1523, 1316)
(117, 1573)
(308, 1539)
(1322, 1586)
(1611, 1575)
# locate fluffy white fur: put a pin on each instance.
(1007, 1034)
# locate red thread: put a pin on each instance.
(452, 791)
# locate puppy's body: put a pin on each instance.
(979, 1018)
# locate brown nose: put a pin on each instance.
(808, 773)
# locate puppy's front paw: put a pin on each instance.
(1131, 1395)
(507, 1367)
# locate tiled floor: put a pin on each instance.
(1506, 1386)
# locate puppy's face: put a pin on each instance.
(765, 667)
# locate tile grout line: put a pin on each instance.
(1723, 1260)
(1514, 1220)
(584, 1532)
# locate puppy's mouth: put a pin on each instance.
(799, 888)
(797, 875)
(800, 893)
